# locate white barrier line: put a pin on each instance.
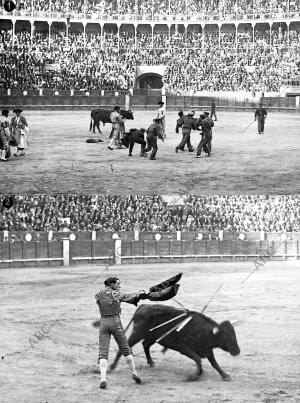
(92, 258)
(181, 256)
(32, 260)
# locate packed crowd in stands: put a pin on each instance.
(152, 213)
(163, 9)
(194, 61)
(212, 60)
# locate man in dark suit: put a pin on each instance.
(260, 116)
(188, 124)
(154, 131)
(206, 135)
(213, 110)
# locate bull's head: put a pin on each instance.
(226, 338)
(127, 114)
(125, 140)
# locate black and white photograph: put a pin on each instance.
(149, 201)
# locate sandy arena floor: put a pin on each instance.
(59, 159)
(49, 347)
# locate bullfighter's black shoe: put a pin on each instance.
(110, 148)
(103, 385)
(152, 158)
(136, 378)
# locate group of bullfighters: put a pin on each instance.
(188, 123)
(157, 130)
(12, 134)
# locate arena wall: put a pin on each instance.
(47, 253)
(139, 101)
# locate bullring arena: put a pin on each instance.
(79, 53)
(59, 364)
(74, 212)
(59, 159)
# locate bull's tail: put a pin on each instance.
(91, 124)
(132, 319)
(129, 323)
(96, 323)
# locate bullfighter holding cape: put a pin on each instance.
(19, 128)
(109, 301)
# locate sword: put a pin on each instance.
(248, 126)
(216, 292)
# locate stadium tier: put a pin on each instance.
(202, 46)
(152, 213)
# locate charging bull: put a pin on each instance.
(103, 115)
(196, 339)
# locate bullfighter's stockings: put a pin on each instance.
(103, 369)
(3, 154)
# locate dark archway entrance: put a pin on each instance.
(149, 81)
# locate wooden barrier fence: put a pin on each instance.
(66, 252)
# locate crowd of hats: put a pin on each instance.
(194, 62)
(151, 213)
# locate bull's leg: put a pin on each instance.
(147, 343)
(115, 361)
(185, 350)
(131, 144)
(98, 127)
(133, 339)
(215, 365)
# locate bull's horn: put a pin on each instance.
(215, 330)
(236, 322)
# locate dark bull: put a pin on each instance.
(196, 340)
(103, 115)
